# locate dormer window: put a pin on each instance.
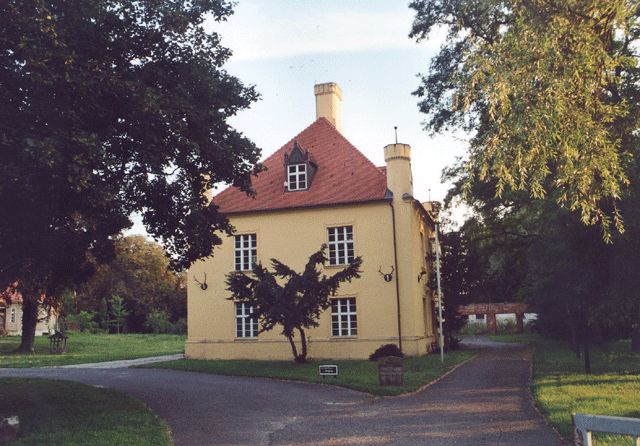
(299, 169)
(297, 175)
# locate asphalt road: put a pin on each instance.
(483, 402)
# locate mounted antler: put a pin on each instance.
(387, 276)
(203, 284)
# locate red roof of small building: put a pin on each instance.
(344, 175)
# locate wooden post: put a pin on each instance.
(492, 326)
(519, 323)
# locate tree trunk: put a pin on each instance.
(294, 350)
(575, 344)
(303, 340)
(635, 339)
(29, 321)
(587, 357)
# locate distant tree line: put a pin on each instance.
(136, 292)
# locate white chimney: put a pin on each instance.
(329, 103)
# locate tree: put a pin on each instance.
(103, 314)
(118, 312)
(108, 108)
(549, 89)
(297, 303)
(140, 274)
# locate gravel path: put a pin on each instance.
(484, 402)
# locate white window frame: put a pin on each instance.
(246, 323)
(341, 247)
(12, 318)
(297, 178)
(245, 251)
(344, 317)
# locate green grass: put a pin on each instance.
(85, 348)
(358, 375)
(66, 414)
(560, 386)
(514, 337)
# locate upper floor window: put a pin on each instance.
(245, 252)
(299, 169)
(297, 176)
(341, 245)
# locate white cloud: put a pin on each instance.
(258, 32)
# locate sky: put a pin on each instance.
(285, 47)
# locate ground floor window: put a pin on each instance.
(246, 322)
(479, 316)
(344, 321)
(13, 315)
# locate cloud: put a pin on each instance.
(266, 31)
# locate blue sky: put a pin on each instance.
(284, 47)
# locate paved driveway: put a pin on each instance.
(484, 402)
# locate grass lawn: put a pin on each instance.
(84, 348)
(358, 375)
(65, 413)
(560, 386)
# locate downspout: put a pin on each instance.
(395, 261)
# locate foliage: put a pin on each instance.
(140, 274)
(158, 322)
(82, 322)
(102, 315)
(87, 348)
(295, 305)
(360, 375)
(455, 284)
(118, 312)
(549, 89)
(73, 414)
(386, 350)
(109, 108)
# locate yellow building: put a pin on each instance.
(318, 188)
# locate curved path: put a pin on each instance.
(484, 402)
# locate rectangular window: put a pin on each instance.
(245, 252)
(246, 322)
(479, 316)
(13, 316)
(344, 321)
(341, 245)
(297, 176)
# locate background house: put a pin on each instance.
(11, 316)
(318, 188)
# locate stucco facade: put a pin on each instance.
(389, 229)
(11, 320)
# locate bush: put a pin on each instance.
(386, 350)
(158, 322)
(180, 326)
(474, 328)
(82, 321)
(507, 326)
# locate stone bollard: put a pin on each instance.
(390, 371)
(9, 429)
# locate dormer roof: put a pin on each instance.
(344, 175)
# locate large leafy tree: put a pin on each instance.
(549, 90)
(291, 300)
(140, 275)
(109, 107)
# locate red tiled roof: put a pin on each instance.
(344, 175)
